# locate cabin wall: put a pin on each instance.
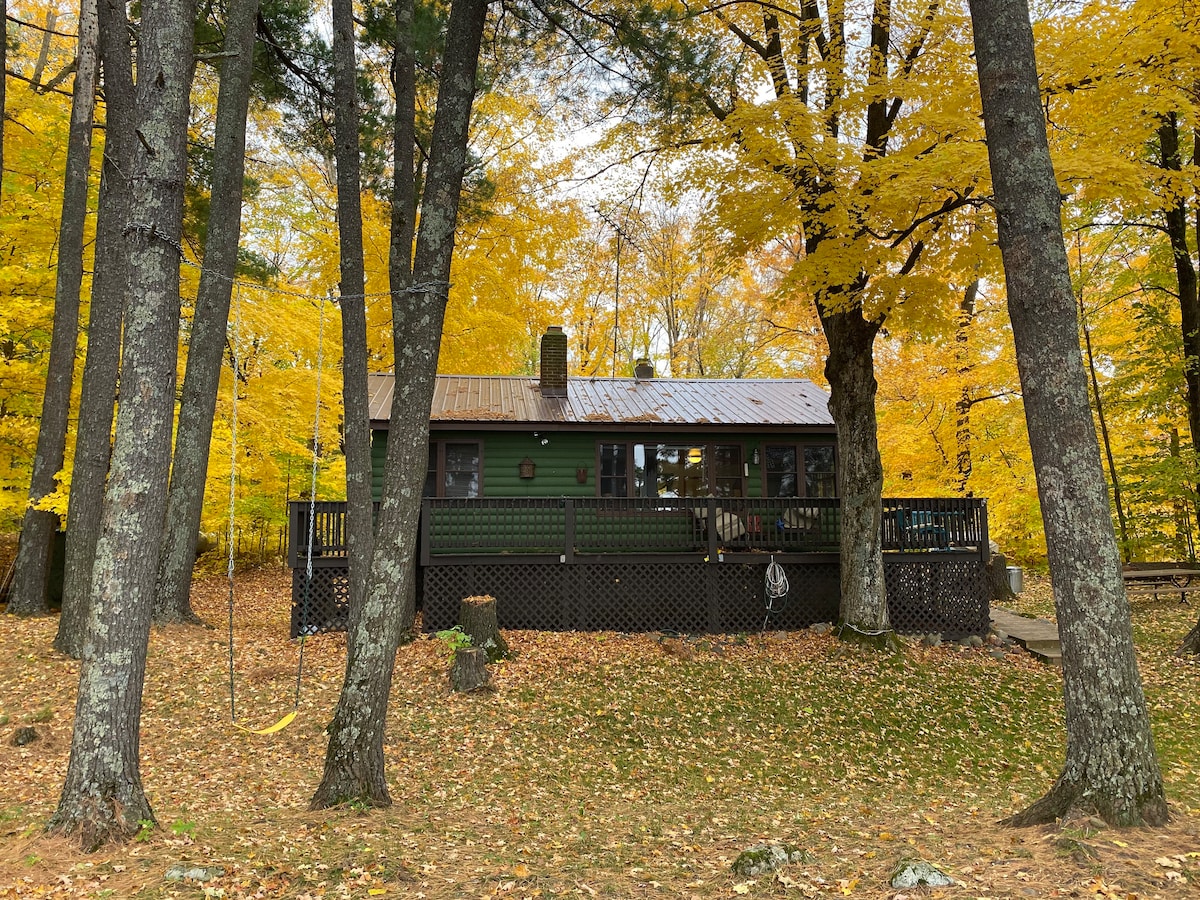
(558, 455)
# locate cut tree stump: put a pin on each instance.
(468, 670)
(477, 618)
(997, 578)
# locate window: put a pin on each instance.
(614, 470)
(783, 476)
(671, 470)
(454, 470)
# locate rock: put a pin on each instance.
(998, 655)
(820, 628)
(763, 858)
(975, 641)
(916, 872)
(27, 734)
(184, 872)
(932, 640)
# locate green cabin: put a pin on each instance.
(643, 503)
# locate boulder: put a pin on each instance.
(911, 873)
(763, 858)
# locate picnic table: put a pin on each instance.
(1163, 580)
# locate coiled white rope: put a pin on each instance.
(777, 588)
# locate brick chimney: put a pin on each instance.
(554, 362)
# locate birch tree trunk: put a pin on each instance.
(354, 757)
(93, 442)
(32, 575)
(102, 798)
(1111, 767)
(198, 400)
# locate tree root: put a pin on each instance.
(885, 641)
(1191, 643)
(95, 822)
(1067, 800)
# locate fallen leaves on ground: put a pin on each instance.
(603, 765)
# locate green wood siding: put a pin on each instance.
(564, 452)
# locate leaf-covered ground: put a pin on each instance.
(603, 765)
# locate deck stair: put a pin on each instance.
(1037, 636)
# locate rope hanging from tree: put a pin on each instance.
(233, 445)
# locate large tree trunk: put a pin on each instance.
(102, 797)
(1111, 768)
(198, 400)
(93, 441)
(357, 422)
(354, 758)
(3, 83)
(1176, 221)
(32, 574)
(962, 406)
(850, 369)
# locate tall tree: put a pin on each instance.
(93, 443)
(354, 757)
(102, 797)
(840, 152)
(1111, 767)
(353, 303)
(198, 398)
(32, 576)
(3, 84)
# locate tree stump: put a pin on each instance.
(468, 670)
(999, 590)
(477, 618)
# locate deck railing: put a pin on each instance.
(567, 528)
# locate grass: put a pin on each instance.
(604, 765)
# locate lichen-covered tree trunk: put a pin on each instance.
(32, 575)
(102, 797)
(354, 756)
(850, 370)
(198, 398)
(356, 432)
(93, 441)
(1111, 768)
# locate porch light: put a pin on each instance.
(754, 458)
(526, 468)
(695, 455)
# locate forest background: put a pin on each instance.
(579, 214)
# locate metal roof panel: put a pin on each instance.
(667, 401)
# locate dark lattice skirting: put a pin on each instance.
(947, 596)
(685, 597)
(321, 605)
(940, 596)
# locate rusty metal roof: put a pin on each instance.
(515, 400)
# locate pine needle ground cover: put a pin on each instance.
(603, 765)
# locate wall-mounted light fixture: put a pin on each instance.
(581, 475)
(695, 455)
(754, 458)
(526, 468)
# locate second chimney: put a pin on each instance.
(554, 362)
(644, 370)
